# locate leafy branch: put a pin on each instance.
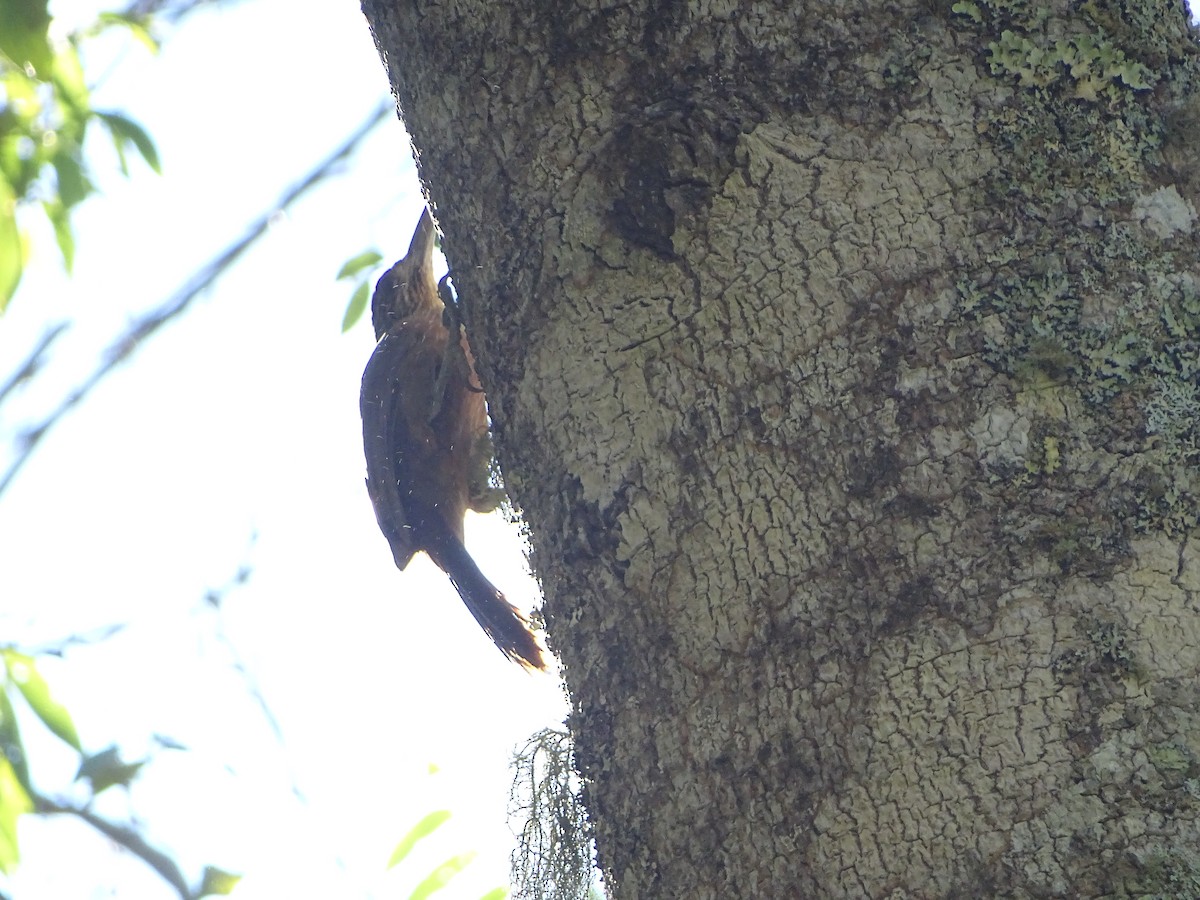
(100, 770)
(45, 114)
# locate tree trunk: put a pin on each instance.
(844, 360)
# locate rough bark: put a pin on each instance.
(843, 359)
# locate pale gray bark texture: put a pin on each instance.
(843, 359)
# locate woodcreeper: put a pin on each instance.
(425, 433)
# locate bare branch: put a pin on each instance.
(33, 362)
(146, 326)
(125, 837)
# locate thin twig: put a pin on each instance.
(59, 647)
(215, 599)
(33, 362)
(141, 329)
(169, 10)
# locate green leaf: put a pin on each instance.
(73, 184)
(356, 307)
(12, 751)
(60, 218)
(72, 95)
(21, 94)
(355, 264)
(17, 171)
(23, 671)
(441, 876)
(104, 769)
(14, 802)
(122, 156)
(217, 882)
(25, 36)
(136, 25)
(422, 829)
(12, 248)
(495, 894)
(126, 131)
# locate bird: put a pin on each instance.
(426, 439)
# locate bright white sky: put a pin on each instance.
(242, 419)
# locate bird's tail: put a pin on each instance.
(500, 620)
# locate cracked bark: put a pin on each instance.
(840, 358)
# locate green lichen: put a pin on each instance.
(970, 10)
(1081, 83)
(1118, 331)
(1111, 647)
(1172, 410)
(1089, 65)
(1105, 650)
(1167, 501)
(1051, 455)
(1167, 875)
(1088, 287)
(1044, 455)
(1150, 348)
(1174, 762)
